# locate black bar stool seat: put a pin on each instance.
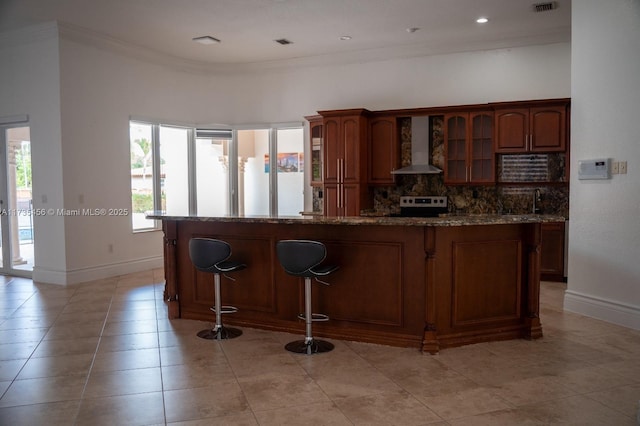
(211, 255)
(303, 258)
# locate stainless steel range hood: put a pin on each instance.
(420, 157)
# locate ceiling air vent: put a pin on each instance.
(545, 7)
(283, 41)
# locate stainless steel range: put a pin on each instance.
(429, 206)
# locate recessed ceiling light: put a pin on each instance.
(482, 20)
(344, 38)
(206, 40)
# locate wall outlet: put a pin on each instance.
(615, 167)
(623, 167)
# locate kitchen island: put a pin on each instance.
(429, 283)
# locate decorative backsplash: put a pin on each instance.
(503, 198)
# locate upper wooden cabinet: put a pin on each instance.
(345, 165)
(468, 139)
(316, 149)
(384, 150)
(541, 128)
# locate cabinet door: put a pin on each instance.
(331, 199)
(552, 251)
(351, 140)
(332, 149)
(455, 139)
(350, 200)
(316, 144)
(548, 129)
(481, 157)
(512, 130)
(383, 151)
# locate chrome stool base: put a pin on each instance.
(222, 333)
(309, 347)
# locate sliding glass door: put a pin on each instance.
(16, 220)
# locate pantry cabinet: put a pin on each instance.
(345, 165)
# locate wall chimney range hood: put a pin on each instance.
(420, 157)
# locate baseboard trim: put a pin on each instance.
(603, 309)
(80, 275)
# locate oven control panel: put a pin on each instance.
(428, 201)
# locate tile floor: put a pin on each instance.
(105, 353)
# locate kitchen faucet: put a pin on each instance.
(536, 201)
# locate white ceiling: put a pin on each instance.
(247, 28)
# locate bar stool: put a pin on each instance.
(210, 255)
(302, 258)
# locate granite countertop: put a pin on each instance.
(445, 220)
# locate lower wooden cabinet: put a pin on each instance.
(552, 251)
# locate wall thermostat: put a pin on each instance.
(594, 169)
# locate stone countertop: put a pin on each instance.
(445, 220)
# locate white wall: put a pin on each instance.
(604, 251)
(100, 89)
(536, 72)
(29, 84)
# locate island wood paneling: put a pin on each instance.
(429, 287)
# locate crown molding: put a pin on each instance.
(102, 41)
(29, 34)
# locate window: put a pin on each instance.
(215, 172)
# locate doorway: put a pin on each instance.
(16, 206)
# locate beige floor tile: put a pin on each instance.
(577, 410)
(128, 342)
(278, 363)
(57, 366)
(243, 419)
(60, 347)
(211, 353)
(83, 329)
(54, 413)
(314, 414)
(113, 328)
(349, 383)
(42, 390)
(218, 401)
(29, 320)
(9, 369)
(583, 371)
(21, 350)
(130, 410)
(271, 391)
(627, 368)
(533, 390)
(123, 382)
(195, 375)
(126, 360)
(22, 335)
(590, 379)
(132, 315)
(74, 318)
(465, 403)
(388, 408)
(624, 399)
